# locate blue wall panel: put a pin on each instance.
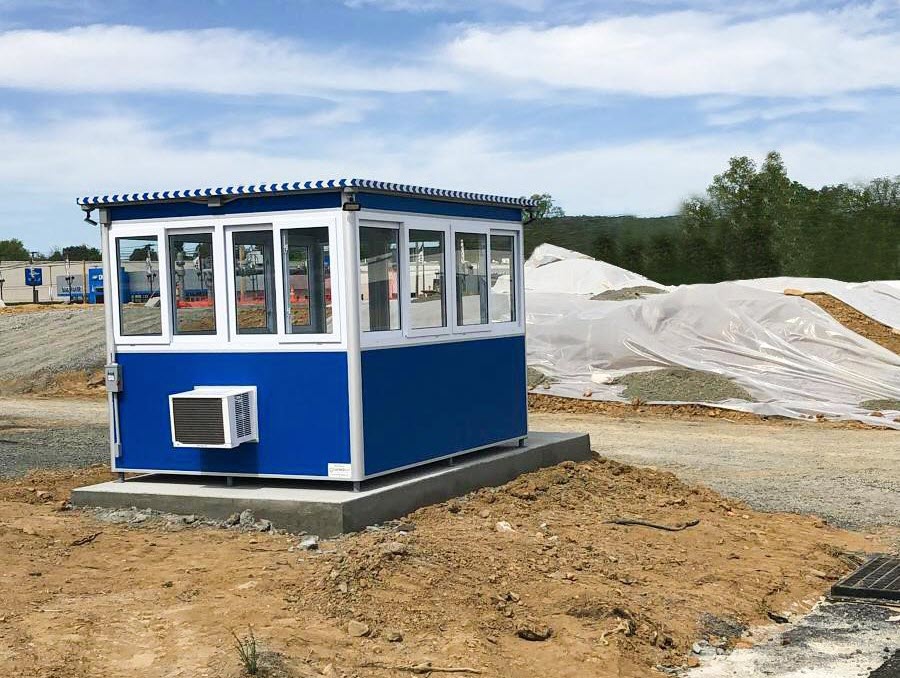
(302, 402)
(423, 402)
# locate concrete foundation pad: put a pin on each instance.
(329, 508)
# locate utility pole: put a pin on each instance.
(34, 289)
(69, 279)
(84, 281)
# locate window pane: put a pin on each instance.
(471, 279)
(139, 303)
(193, 299)
(254, 282)
(426, 280)
(307, 284)
(503, 280)
(379, 279)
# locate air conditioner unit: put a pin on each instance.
(214, 416)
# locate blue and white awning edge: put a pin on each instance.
(298, 186)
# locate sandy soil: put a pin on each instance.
(619, 599)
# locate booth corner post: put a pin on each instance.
(350, 226)
(334, 330)
(111, 366)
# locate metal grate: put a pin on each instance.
(242, 423)
(198, 421)
(879, 579)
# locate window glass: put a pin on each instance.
(503, 278)
(428, 307)
(191, 270)
(254, 282)
(139, 303)
(379, 279)
(307, 281)
(471, 279)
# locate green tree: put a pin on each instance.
(545, 207)
(13, 250)
(76, 253)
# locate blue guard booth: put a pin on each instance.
(334, 330)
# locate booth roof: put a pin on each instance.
(302, 186)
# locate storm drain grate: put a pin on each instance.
(879, 579)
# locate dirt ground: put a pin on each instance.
(858, 322)
(849, 476)
(459, 582)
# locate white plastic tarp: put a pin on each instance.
(879, 299)
(555, 269)
(793, 358)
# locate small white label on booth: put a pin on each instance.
(339, 471)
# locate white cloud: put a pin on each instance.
(669, 54)
(421, 6)
(103, 58)
(83, 156)
(693, 53)
(741, 114)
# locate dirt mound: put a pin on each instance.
(678, 384)
(852, 319)
(461, 584)
(539, 402)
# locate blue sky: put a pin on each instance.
(612, 107)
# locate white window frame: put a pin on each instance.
(515, 267)
(117, 233)
(220, 287)
(480, 229)
(449, 273)
(336, 264)
(252, 339)
(382, 337)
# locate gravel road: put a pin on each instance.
(850, 477)
(68, 447)
(42, 434)
(42, 343)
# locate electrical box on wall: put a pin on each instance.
(214, 416)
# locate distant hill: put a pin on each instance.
(591, 235)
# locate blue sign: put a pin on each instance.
(34, 277)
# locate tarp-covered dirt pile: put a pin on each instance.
(782, 354)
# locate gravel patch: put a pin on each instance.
(23, 450)
(681, 385)
(535, 378)
(627, 293)
(881, 404)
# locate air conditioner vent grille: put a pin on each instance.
(198, 421)
(243, 419)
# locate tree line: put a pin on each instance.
(753, 221)
(15, 250)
